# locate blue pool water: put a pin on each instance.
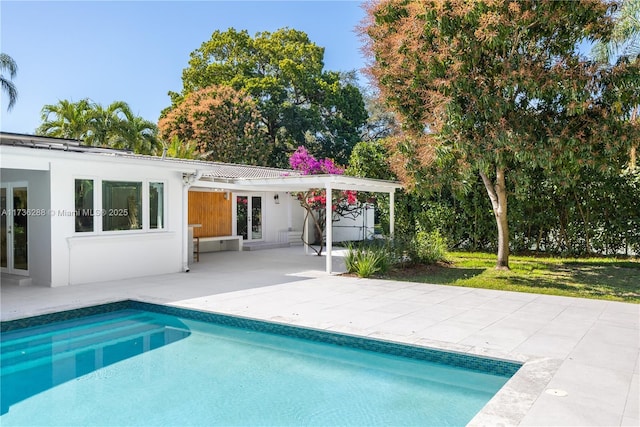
(142, 364)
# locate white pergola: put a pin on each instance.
(225, 177)
(295, 183)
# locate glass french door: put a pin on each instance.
(249, 217)
(14, 237)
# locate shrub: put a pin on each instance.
(378, 255)
(368, 263)
(429, 248)
(367, 259)
(350, 258)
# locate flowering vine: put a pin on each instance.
(314, 201)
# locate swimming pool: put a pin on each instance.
(134, 363)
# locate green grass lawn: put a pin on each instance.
(602, 278)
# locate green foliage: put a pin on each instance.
(429, 248)
(114, 126)
(369, 159)
(66, 119)
(547, 215)
(367, 259)
(381, 122)
(379, 255)
(7, 63)
(362, 262)
(598, 214)
(299, 103)
(182, 150)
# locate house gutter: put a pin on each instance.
(188, 179)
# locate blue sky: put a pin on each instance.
(135, 51)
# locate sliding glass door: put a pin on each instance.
(14, 233)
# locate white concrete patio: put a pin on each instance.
(586, 349)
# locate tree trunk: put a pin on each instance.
(498, 195)
(634, 145)
(316, 224)
(584, 214)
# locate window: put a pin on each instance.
(121, 205)
(156, 205)
(84, 205)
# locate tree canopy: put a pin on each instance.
(299, 103)
(497, 86)
(223, 122)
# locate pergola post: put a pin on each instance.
(329, 225)
(392, 212)
(305, 234)
(185, 227)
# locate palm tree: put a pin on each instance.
(181, 149)
(114, 126)
(143, 136)
(625, 38)
(117, 127)
(7, 63)
(108, 127)
(66, 119)
(623, 45)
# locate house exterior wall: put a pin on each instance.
(76, 258)
(111, 255)
(276, 219)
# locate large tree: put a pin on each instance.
(499, 84)
(224, 123)
(7, 63)
(299, 102)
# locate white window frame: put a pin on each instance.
(145, 193)
(96, 190)
(147, 210)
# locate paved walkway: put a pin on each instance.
(581, 356)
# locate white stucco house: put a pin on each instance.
(73, 214)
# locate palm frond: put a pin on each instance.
(7, 63)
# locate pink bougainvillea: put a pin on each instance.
(307, 164)
(315, 200)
